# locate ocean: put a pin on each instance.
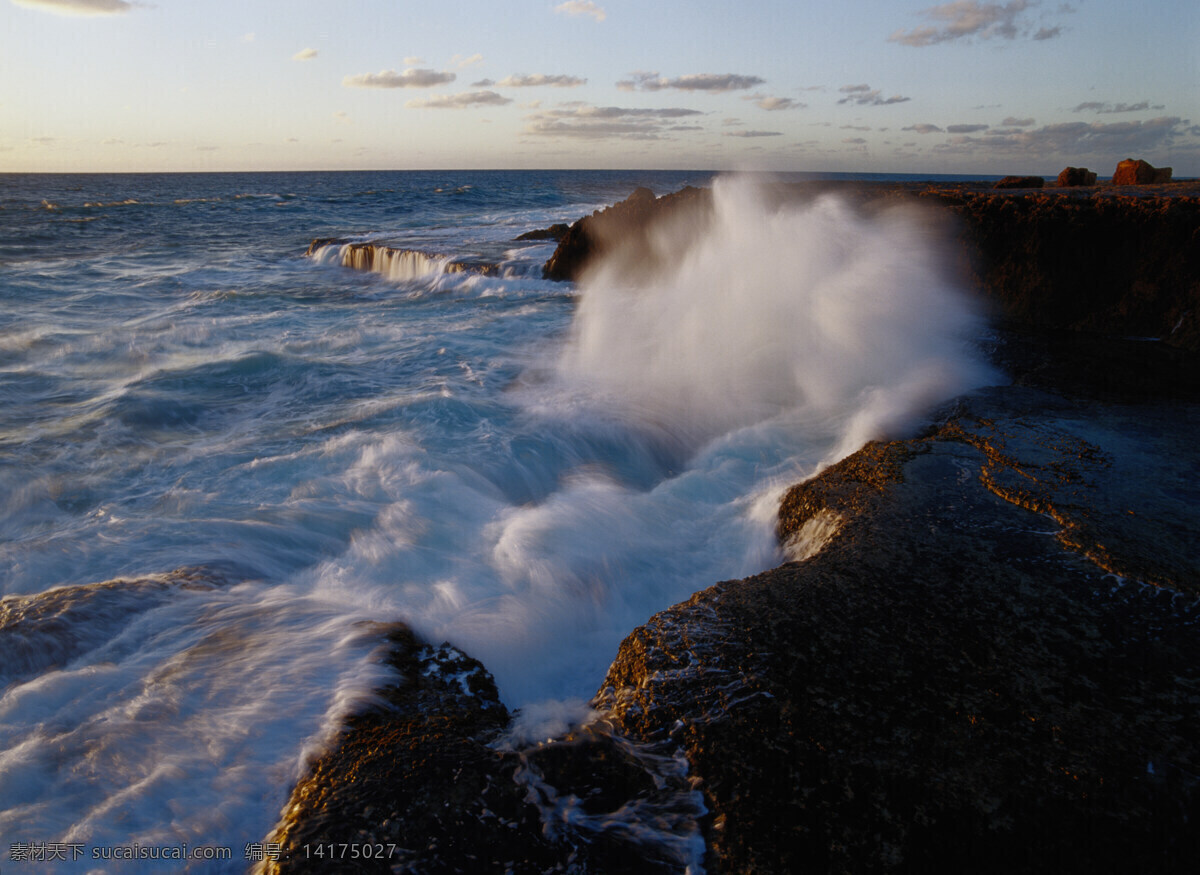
(225, 458)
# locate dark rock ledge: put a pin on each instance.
(949, 684)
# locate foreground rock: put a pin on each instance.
(429, 782)
(959, 680)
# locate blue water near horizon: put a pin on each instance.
(524, 468)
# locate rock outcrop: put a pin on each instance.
(1139, 172)
(394, 262)
(1099, 262)
(646, 229)
(1074, 176)
(1020, 182)
(429, 782)
(555, 232)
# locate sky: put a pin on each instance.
(888, 86)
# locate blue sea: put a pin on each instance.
(227, 454)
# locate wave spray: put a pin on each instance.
(813, 306)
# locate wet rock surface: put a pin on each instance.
(430, 782)
(47, 630)
(973, 674)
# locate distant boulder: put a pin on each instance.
(1139, 172)
(554, 232)
(1020, 182)
(1073, 176)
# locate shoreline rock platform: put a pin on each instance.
(984, 657)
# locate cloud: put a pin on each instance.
(581, 7)
(459, 101)
(966, 129)
(304, 55)
(537, 79)
(924, 129)
(864, 95)
(774, 104)
(413, 61)
(462, 63)
(1096, 106)
(1073, 141)
(753, 134)
(410, 78)
(583, 121)
(1014, 122)
(715, 82)
(854, 141)
(972, 20)
(77, 7)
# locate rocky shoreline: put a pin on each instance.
(983, 656)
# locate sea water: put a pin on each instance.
(223, 461)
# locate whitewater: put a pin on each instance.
(226, 457)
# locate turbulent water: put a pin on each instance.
(222, 460)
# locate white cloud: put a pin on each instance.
(581, 7)
(715, 82)
(77, 7)
(248, 37)
(774, 104)
(304, 55)
(459, 101)
(462, 63)
(583, 121)
(536, 79)
(753, 134)
(969, 19)
(413, 61)
(410, 78)
(924, 129)
(864, 95)
(1096, 106)
(1074, 141)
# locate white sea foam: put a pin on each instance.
(783, 338)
